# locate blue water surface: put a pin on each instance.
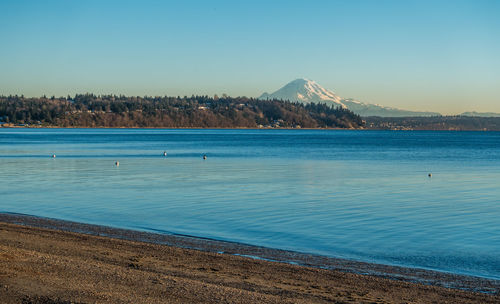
(362, 195)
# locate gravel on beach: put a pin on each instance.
(40, 265)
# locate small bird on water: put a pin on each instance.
(117, 163)
(204, 157)
(165, 153)
(430, 175)
(53, 156)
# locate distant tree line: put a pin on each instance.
(89, 110)
(455, 123)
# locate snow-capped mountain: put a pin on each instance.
(307, 91)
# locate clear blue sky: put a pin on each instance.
(420, 55)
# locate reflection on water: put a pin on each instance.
(355, 194)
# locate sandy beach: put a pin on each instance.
(41, 265)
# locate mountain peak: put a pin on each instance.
(308, 91)
(305, 91)
(303, 82)
(300, 81)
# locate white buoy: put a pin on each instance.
(117, 163)
(53, 156)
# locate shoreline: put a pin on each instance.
(242, 128)
(255, 254)
(179, 128)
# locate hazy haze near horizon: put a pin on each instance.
(418, 55)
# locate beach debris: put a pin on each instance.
(117, 163)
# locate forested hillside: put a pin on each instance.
(89, 110)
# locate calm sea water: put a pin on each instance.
(362, 195)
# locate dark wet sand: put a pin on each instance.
(44, 265)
